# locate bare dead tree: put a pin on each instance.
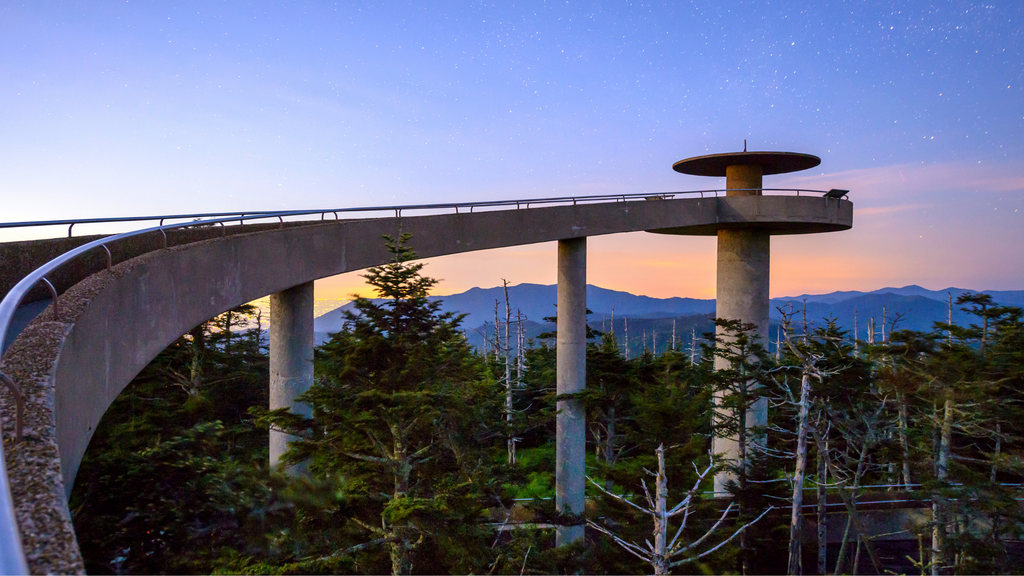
(809, 369)
(901, 407)
(625, 330)
(662, 554)
(856, 336)
(822, 519)
(497, 333)
(897, 317)
(805, 320)
(520, 346)
(509, 384)
(485, 340)
(795, 565)
(192, 383)
(848, 481)
(945, 427)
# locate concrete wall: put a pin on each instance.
(21, 258)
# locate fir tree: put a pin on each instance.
(402, 412)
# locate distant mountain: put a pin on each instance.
(915, 307)
(1008, 297)
(537, 301)
(830, 298)
(909, 312)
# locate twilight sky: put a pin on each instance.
(121, 108)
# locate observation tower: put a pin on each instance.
(744, 248)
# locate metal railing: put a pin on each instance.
(11, 554)
(397, 209)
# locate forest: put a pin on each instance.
(427, 455)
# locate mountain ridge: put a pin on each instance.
(914, 307)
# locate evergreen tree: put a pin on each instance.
(403, 413)
(971, 375)
(173, 473)
(736, 389)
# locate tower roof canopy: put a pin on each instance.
(770, 162)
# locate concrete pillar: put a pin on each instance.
(743, 179)
(291, 357)
(742, 293)
(571, 358)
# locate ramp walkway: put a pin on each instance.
(117, 301)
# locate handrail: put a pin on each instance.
(71, 223)
(397, 209)
(12, 558)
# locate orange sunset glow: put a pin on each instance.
(936, 225)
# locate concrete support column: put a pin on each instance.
(742, 294)
(571, 358)
(743, 180)
(291, 357)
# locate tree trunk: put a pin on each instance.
(851, 504)
(403, 537)
(996, 452)
(508, 379)
(841, 556)
(227, 332)
(901, 399)
(661, 556)
(939, 511)
(856, 343)
(805, 320)
(997, 519)
(520, 344)
(625, 330)
(609, 445)
(741, 438)
(822, 518)
(197, 351)
(856, 555)
(797, 515)
(497, 333)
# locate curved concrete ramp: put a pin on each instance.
(114, 323)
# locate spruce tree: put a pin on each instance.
(173, 476)
(403, 413)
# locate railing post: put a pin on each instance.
(53, 293)
(110, 259)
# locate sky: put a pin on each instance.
(129, 108)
